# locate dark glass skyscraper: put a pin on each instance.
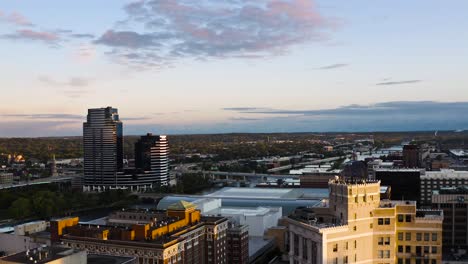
(152, 156)
(103, 148)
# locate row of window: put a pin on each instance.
(383, 221)
(419, 236)
(404, 218)
(383, 254)
(346, 246)
(419, 249)
(418, 261)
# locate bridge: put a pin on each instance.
(48, 180)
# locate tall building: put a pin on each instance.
(405, 183)
(179, 235)
(103, 148)
(53, 167)
(411, 156)
(435, 180)
(454, 202)
(238, 241)
(152, 156)
(355, 226)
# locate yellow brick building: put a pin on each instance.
(355, 226)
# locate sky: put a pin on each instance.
(212, 66)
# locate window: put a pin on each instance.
(408, 261)
(400, 249)
(387, 241)
(426, 236)
(380, 221)
(380, 253)
(371, 225)
(418, 236)
(345, 260)
(434, 236)
(408, 218)
(400, 218)
(400, 261)
(346, 245)
(387, 221)
(335, 247)
(354, 228)
(380, 241)
(387, 254)
(408, 249)
(356, 199)
(434, 250)
(408, 236)
(426, 249)
(355, 244)
(433, 261)
(400, 236)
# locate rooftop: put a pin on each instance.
(445, 174)
(394, 203)
(41, 255)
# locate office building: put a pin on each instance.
(405, 183)
(435, 180)
(152, 157)
(454, 202)
(103, 149)
(355, 226)
(411, 156)
(181, 235)
(238, 241)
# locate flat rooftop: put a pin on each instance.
(105, 259)
(41, 255)
(256, 193)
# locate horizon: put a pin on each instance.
(179, 67)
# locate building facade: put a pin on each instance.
(180, 236)
(238, 241)
(454, 202)
(405, 183)
(435, 180)
(411, 156)
(103, 149)
(355, 226)
(152, 157)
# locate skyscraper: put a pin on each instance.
(103, 148)
(152, 156)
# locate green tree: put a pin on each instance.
(21, 208)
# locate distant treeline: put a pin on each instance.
(228, 146)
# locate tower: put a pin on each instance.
(103, 148)
(152, 156)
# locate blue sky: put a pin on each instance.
(180, 66)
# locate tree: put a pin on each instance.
(21, 208)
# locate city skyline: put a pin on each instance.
(235, 66)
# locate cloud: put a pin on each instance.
(398, 82)
(78, 35)
(400, 108)
(73, 81)
(242, 108)
(16, 19)
(27, 34)
(333, 66)
(244, 119)
(45, 116)
(175, 29)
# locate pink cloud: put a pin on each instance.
(16, 19)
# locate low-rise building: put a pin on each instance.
(47, 255)
(355, 226)
(182, 235)
(30, 228)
